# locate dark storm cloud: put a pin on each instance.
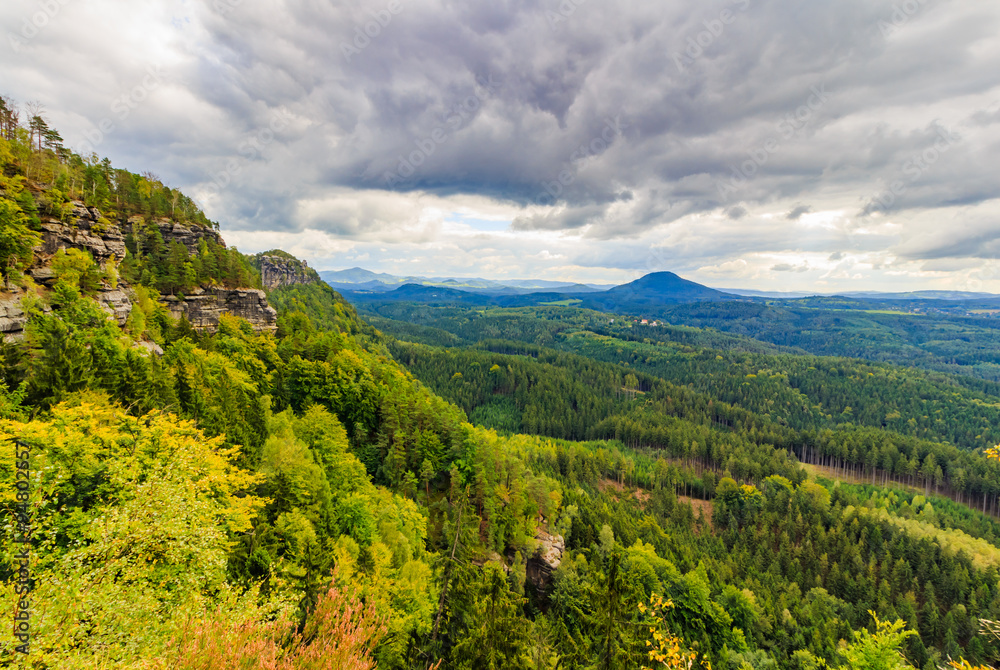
(607, 120)
(703, 90)
(797, 212)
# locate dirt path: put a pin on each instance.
(697, 504)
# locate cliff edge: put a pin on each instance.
(107, 242)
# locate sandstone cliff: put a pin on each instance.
(12, 316)
(86, 229)
(547, 557)
(188, 235)
(204, 309)
(278, 268)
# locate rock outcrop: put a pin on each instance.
(188, 235)
(545, 560)
(116, 303)
(282, 270)
(86, 229)
(12, 316)
(203, 309)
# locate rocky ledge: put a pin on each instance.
(13, 317)
(547, 557)
(86, 229)
(187, 234)
(89, 231)
(282, 270)
(203, 310)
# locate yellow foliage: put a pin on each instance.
(666, 650)
(132, 519)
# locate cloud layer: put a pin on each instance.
(766, 143)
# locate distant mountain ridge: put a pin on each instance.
(921, 295)
(359, 279)
(651, 295)
(663, 284)
(645, 294)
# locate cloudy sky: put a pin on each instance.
(765, 144)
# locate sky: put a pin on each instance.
(764, 144)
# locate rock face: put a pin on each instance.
(547, 557)
(203, 310)
(188, 235)
(12, 317)
(88, 230)
(116, 303)
(278, 271)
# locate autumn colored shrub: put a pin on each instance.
(338, 635)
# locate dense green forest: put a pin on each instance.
(519, 490)
(937, 335)
(953, 343)
(868, 419)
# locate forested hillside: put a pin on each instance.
(316, 493)
(944, 336)
(955, 343)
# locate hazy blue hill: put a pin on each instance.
(360, 279)
(419, 293)
(357, 276)
(924, 295)
(652, 291)
(375, 285)
(657, 290)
